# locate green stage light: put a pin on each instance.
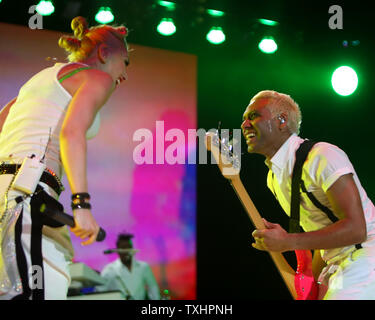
(170, 6)
(267, 45)
(268, 22)
(45, 8)
(104, 15)
(215, 13)
(166, 27)
(344, 81)
(215, 35)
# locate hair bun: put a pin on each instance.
(80, 26)
(70, 44)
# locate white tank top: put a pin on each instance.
(34, 121)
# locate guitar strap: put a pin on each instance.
(294, 225)
(301, 155)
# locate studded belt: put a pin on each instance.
(48, 176)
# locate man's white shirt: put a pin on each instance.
(134, 284)
(324, 165)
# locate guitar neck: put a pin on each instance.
(286, 271)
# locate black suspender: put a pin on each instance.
(317, 204)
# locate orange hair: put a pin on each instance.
(85, 39)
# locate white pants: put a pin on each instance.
(55, 265)
(352, 278)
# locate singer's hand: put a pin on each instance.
(85, 226)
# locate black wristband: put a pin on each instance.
(80, 196)
(81, 205)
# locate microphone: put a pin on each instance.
(109, 251)
(130, 251)
(64, 218)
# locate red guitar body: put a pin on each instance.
(304, 282)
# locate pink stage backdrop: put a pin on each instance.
(155, 202)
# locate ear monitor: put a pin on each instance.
(282, 120)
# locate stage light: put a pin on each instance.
(355, 43)
(45, 8)
(104, 15)
(170, 6)
(268, 22)
(166, 27)
(215, 13)
(267, 45)
(215, 35)
(344, 81)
